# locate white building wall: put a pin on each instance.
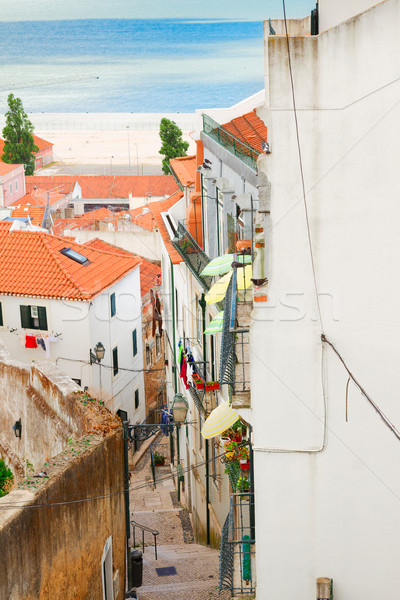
(78, 326)
(327, 498)
(333, 12)
(137, 240)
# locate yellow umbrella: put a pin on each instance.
(219, 420)
(217, 292)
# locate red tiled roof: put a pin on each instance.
(32, 265)
(24, 210)
(148, 270)
(249, 128)
(184, 168)
(108, 186)
(6, 168)
(39, 198)
(143, 216)
(41, 143)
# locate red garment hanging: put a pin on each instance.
(30, 341)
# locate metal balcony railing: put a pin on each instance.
(237, 553)
(217, 132)
(192, 254)
(234, 358)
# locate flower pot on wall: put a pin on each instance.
(211, 385)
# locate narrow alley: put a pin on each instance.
(183, 569)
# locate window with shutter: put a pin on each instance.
(115, 361)
(113, 304)
(1, 316)
(33, 317)
(136, 399)
(134, 342)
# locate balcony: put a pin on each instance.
(243, 151)
(237, 553)
(235, 348)
(192, 254)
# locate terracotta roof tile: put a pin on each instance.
(184, 169)
(33, 265)
(39, 198)
(108, 186)
(249, 128)
(41, 143)
(6, 168)
(149, 271)
(143, 216)
(25, 210)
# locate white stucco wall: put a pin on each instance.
(82, 325)
(137, 240)
(333, 12)
(331, 513)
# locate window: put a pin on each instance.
(136, 399)
(158, 345)
(113, 304)
(115, 361)
(79, 258)
(10, 188)
(134, 342)
(176, 307)
(1, 316)
(33, 317)
(220, 222)
(16, 185)
(149, 356)
(199, 321)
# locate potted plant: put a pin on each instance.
(237, 431)
(244, 458)
(211, 385)
(230, 451)
(159, 459)
(243, 485)
(198, 382)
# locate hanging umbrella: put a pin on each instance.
(217, 292)
(219, 420)
(223, 264)
(215, 326)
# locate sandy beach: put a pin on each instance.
(110, 139)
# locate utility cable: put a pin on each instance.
(301, 166)
(384, 418)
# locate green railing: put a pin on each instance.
(192, 254)
(246, 153)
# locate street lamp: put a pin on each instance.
(98, 354)
(179, 408)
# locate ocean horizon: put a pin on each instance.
(130, 65)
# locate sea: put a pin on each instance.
(128, 65)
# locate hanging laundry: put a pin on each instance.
(40, 342)
(30, 341)
(183, 372)
(22, 338)
(180, 354)
(164, 422)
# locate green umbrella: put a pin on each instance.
(223, 264)
(215, 326)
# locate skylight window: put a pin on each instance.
(73, 255)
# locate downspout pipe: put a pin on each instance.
(127, 509)
(207, 448)
(171, 441)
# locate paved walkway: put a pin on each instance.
(194, 567)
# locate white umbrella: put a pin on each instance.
(219, 420)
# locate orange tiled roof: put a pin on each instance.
(6, 168)
(249, 128)
(148, 270)
(184, 169)
(108, 186)
(41, 143)
(44, 183)
(32, 265)
(143, 216)
(39, 198)
(24, 210)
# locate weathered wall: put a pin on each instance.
(53, 529)
(52, 550)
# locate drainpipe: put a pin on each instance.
(127, 510)
(171, 441)
(202, 303)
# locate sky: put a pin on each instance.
(253, 10)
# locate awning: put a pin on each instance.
(217, 292)
(219, 420)
(216, 325)
(223, 264)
